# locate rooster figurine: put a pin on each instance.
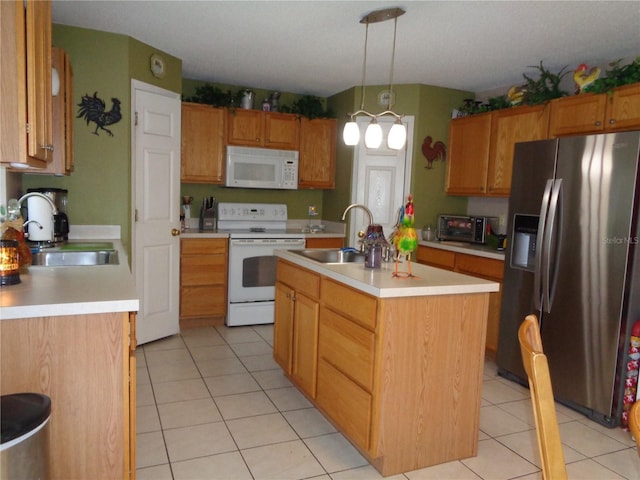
(404, 237)
(437, 152)
(584, 76)
(92, 109)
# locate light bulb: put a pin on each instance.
(397, 136)
(373, 134)
(351, 133)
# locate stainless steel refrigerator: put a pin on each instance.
(574, 260)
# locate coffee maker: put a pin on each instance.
(38, 210)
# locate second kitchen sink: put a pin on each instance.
(77, 254)
(334, 256)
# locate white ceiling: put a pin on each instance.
(316, 47)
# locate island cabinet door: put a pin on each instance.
(283, 326)
(305, 343)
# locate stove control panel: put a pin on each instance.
(264, 212)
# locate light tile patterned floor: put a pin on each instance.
(213, 404)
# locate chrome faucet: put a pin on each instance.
(358, 205)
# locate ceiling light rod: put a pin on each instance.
(373, 135)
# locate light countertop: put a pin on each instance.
(380, 283)
(468, 248)
(55, 291)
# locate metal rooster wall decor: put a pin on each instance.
(92, 109)
(432, 153)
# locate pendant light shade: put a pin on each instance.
(397, 136)
(373, 134)
(351, 133)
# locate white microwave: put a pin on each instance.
(249, 167)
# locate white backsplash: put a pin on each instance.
(490, 207)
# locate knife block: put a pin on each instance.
(208, 218)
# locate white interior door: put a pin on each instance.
(156, 257)
(381, 180)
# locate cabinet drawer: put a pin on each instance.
(353, 304)
(203, 301)
(348, 347)
(346, 403)
(436, 257)
(300, 279)
(193, 246)
(203, 270)
(485, 267)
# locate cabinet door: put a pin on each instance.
(324, 242)
(39, 108)
(281, 131)
(623, 108)
(246, 127)
(305, 343)
(436, 257)
(507, 128)
(283, 327)
(202, 144)
(582, 113)
(317, 153)
(468, 155)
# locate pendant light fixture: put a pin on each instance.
(373, 135)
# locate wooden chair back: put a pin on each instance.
(544, 409)
(634, 423)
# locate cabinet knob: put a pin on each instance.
(47, 147)
(612, 121)
(598, 124)
(175, 232)
(257, 139)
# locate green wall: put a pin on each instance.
(100, 185)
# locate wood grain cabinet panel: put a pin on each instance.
(317, 168)
(324, 242)
(255, 128)
(468, 156)
(202, 144)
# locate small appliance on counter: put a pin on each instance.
(460, 228)
(39, 214)
(208, 214)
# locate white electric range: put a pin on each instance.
(255, 231)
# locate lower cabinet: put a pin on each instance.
(324, 242)
(296, 325)
(487, 268)
(86, 365)
(203, 281)
(399, 377)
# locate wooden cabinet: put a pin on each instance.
(86, 365)
(388, 368)
(255, 128)
(509, 127)
(596, 113)
(317, 165)
(468, 160)
(324, 242)
(481, 149)
(203, 147)
(488, 268)
(296, 324)
(203, 281)
(25, 81)
(62, 111)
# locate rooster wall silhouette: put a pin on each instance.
(437, 152)
(92, 110)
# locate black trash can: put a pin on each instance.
(24, 450)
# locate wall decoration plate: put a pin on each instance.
(157, 66)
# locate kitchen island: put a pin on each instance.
(396, 364)
(69, 333)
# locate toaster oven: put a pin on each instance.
(459, 228)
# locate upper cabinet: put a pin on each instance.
(509, 127)
(591, 113)
(468, 155)
(25, 83)
(203, 146)
(317, 153)
(255, 128)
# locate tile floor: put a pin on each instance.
(213, 404)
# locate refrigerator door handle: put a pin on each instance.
(551, 239)
(542, 222)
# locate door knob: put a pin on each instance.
(175, 232)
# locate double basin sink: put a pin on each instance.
(337, 256)
(76, 254)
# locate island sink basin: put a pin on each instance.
(331, 256)
(64, 258)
